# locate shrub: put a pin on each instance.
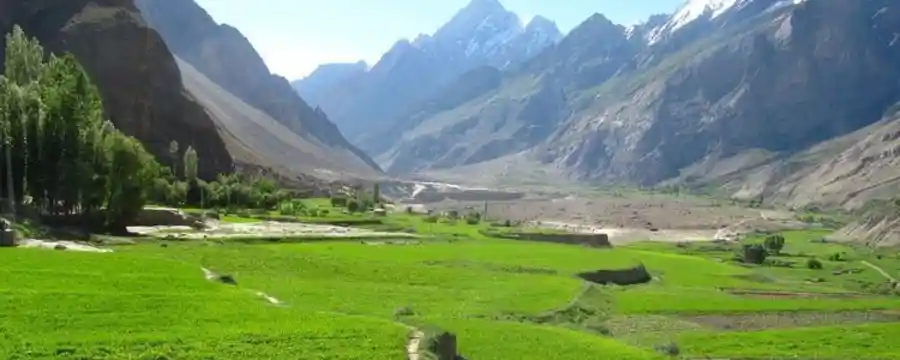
(814, 264)
(774, 243)
(473, 218)
(353, 206)
(753, 254)
(338, 201)
(453, 214)
(409, 210)
(430, 219)
(836, 257)
(670, 349)
(404, 311)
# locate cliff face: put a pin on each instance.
(222, 54)
(137, 75)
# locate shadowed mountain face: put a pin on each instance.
(706, 97)
(224, 56)
(482, 34)
(134, 70)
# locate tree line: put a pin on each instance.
(61, 156)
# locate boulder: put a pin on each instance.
(7, 238)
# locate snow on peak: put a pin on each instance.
(695, 9)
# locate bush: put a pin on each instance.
(836, 257)
(670, 349)
(338, 201)
(814, 264)
(753, 254)
(473, 218)
(353, 206)
(774, 243)
(404, 311)
(430, 219)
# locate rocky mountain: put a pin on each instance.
(325, 77)
(224, 56)
(770, 98)
(483, 33)
(136, 74)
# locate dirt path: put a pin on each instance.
(212, 276)
(881, 271)
(413, 351)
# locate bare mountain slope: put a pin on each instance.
(757, 97)
(224, 56)
(254, 137)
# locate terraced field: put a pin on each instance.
(503, 299)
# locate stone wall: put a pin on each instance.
(443, 346)
(467, 195)
(632, 276)
(162, 217)
(592, 240)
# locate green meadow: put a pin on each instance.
(503, 299)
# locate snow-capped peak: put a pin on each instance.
(695, 9)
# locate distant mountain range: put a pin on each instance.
(789, 100)
(793, 101)
(483, 33)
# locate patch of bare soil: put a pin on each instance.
(761, 321)
(264, 229)
(642, 217)
(61, 245)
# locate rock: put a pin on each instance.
(227, 279)
(159, 216)
(7, 238)
(443, 345)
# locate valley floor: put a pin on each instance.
(503, 299)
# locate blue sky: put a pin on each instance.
(294, 36)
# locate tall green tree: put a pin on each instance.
(173, 157)
(190, 164)
(24, 58)
(58, 147)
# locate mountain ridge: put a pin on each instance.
(770, 76)
(225, 56)
(483, 33)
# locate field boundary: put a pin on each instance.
(881, 271)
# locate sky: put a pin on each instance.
(295, 36)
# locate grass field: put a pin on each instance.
(503, 299)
